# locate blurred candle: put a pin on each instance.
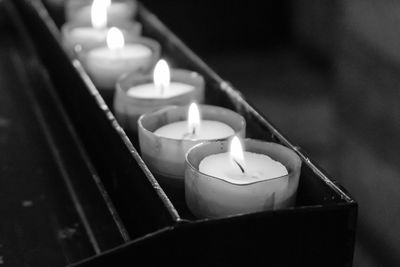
(90, 35)
(105, 64)
(116, 11)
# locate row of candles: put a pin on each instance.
(195, 147)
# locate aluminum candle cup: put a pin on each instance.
(105, 67)
(129, 107)
(87, 37)
(118, 11)
(212, 197)
(166, 156)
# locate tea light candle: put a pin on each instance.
(191, 129)
(93, 34)
(219, 183)
(165, 135)
(137, 94)
(162, 87)
(117, 11)
(105, 64)
(241, 167)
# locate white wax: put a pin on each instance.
(115, 12)
(129, 52)
(89, 37)
(119, 10)
(84, 34)
(106, 65)
(208, 130)
(150, 91)
(257, 167)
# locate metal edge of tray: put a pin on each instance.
(279, 238)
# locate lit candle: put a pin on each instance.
(117, 11)
(221, 179)
(94, 34)
(162, 87)
(137, 94)
(166, 135)
(194, 128)
(241, 167)
(105, 64)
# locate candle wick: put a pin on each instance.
(240, 166)
(190, 133)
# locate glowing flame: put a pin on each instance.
(161, 76)
(236, 152)
(193, 118)
(99, 14)
(115, 39)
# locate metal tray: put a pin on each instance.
(319, 230)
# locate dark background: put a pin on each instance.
(225, 26)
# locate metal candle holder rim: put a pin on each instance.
(163, 109)
(243, 139)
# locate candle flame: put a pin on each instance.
(193, 119)
(236, 152)
(115, 39)
(99, 13)
(161, 75)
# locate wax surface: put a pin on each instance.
(149, 90)
(208, 130)
(128, 52)
(116, 12)
(119, 10)
(85, 34)
(257, 167)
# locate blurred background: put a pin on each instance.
(327, 74)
